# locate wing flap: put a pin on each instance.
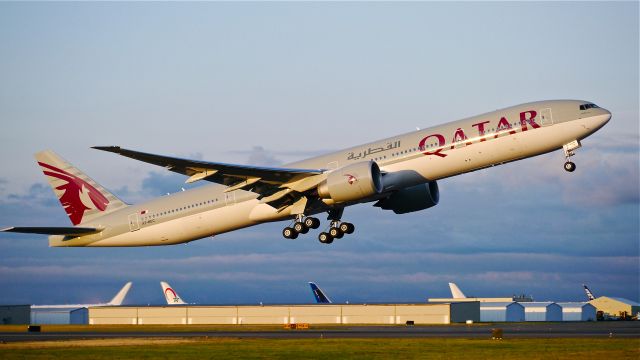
(68, 231)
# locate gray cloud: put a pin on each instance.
(354, 276)
(606, 176)
(38, 204)
(262, 157)
(161, 183)
(258, 155)
(38, 194)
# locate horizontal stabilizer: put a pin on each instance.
(70, 231)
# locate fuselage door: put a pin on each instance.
(545, 117)
(230, 198)
(134, 223)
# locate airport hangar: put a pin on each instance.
(424, 313)
(437, 311)
(373, 314)
(522, 308)
(616, 307)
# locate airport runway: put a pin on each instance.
(617, 329)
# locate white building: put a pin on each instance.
(578, 311)
(501, 311)
(51, 316)
(379, 314)
(542, 311)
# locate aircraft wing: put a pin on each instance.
(70, 231)
(272, 183)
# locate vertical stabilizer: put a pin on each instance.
(170, 295)
(82, 198)
(589, 293)
(119, 298)
(456, 293)
(321, 298)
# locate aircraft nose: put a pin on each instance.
(605, 117)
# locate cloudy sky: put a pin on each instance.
(271, 83)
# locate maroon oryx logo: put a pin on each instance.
(351, 179)
(76, 191)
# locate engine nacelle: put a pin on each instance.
(414, 198)
(352, 182)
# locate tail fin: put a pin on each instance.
(456, 292)
(170, 295)
(321, 298)
(589, 293)
(117, 300)
(82, 198)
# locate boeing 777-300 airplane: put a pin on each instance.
(399, 173)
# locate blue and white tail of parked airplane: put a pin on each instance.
(590, 295)
(321, 298)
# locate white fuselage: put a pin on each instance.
(418, 157)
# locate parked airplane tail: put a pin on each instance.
(456, 293)
(82, 198)
(119, 298)
(589, 293)
(170, 295)
(321, 298)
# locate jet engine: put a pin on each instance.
(414, 198)
(352, 182)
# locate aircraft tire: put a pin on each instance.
(312, 223)
(569, 166)
(347, 228)
(289, 233)
(336, 233)
(325, 238)
(300, 228)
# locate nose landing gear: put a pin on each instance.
(569, 151)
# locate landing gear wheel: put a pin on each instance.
(569, 166)
(347, 228)
(325, 238)
(312, 223)
(289, 233)
(336, 233)
(300, 228)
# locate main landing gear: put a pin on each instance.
(301, 226)
(569, 151)
(337, 229)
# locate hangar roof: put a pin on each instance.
(625, 301)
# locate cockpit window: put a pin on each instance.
(588, 106)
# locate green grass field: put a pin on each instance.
(326, 349)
